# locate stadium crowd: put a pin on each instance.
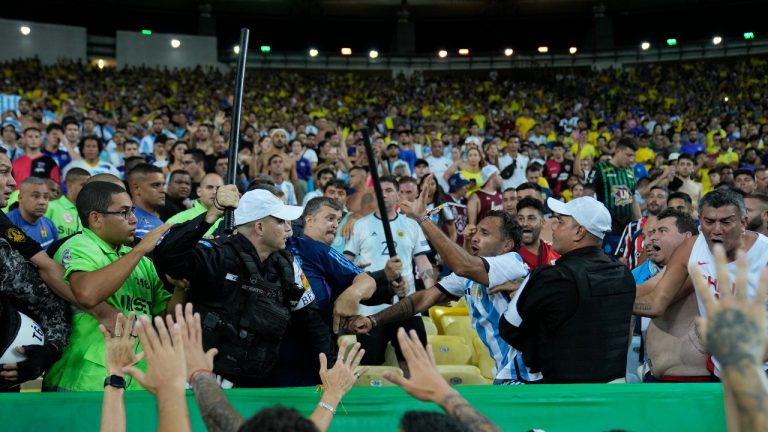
(570, 215)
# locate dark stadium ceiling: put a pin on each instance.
(481, 25)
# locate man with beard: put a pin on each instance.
(492, 262)
(675, 350)
(630, 250)
(176, 194)
(279, 138)
(145, 183)
(757, 212)
(535, 252)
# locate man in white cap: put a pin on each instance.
(571, 320)
(487, 198)
(244, 286)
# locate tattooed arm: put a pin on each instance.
(462, 411)
(218, 414)
(655, 295)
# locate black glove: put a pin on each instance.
(39, 359)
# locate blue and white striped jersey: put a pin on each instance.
(485, 311)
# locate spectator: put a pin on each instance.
(682, 202)
(145, 184)
(470, 170)
(90, 147)
(744, 180)
(29, 216)
(534, 251)
(686, 168)
(421, 169)
(323, 176)
(438, 163)
(756, 205)
(276, 171)
(57, 147)
(457, 199)
(557, 169)
(194, 164)
(487, 198)
(509, 202)
(177, 194)
(11, 132)
(34, 162)
(632, 245)
(435, 198)
(176, 157)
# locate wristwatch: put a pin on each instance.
(115, 381)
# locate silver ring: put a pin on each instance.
(117, 334)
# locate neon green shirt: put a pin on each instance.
(82, 366)
(63, 213)
(11, 200)
(189, 214)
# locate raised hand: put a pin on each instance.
(166, 371)
(121, 344)
(149, 242)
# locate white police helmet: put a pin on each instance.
(20, 330)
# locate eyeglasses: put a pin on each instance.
(124, 213)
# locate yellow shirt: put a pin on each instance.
(644, 155)
(476, 176)
(728, 158)
(524, 124)
(587, 151)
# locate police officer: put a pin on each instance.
(244, 285)
(571, 320)
(28, 347)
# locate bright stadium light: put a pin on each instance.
(236, 49)
(645, 45)
(671, 41)
(146, 32)
(442, 53)
(749, 35)
(25, 30)
(716, 40)
(346, 51)
(543, 49)
(100, 63)
(266, 49)
(373, 54)
(313, 52)
(573, 50)
(725, 99)
(508, 52)
(175, 43)
(464, 51)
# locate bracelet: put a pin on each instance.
(374, 323)
(197, 372)
(324, 405)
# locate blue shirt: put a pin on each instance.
(61, 157)
(328, 271)
(645, 271)
(145, 222)
(43, 232)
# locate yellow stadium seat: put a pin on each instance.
(462, 375)
(454, 325)
(437, 312)
(483, 359)
(351, 340)
(390, 358)
(450, 350)
(374, 376)
(429, 325)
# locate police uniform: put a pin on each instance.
(21, 289)
(245, 305)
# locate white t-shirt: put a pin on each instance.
(439, 165)
(757, 258)
(518, 177)
(368, 244)
(290, 194)
(485, 311)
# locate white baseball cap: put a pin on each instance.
(487, 172)
(587, 211)
(259, 203)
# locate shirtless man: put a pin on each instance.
(675, 350)
(279, 140)
(361, 201)
(723, 223)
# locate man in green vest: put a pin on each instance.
(62, 211)
(100, 267)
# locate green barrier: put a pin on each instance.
(631, 407)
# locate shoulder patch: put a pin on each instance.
(66, 257)
(15, 235)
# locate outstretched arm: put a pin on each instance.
(673, 284)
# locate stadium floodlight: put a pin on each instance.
(146, 32)
(236, 49)
(175, 43)
(373, 54)
(100, 63)
(508, 52)
(313, 52)
(725, 99)
(573, 50)
(645, 45)
(543, 49)
(25, 30)
(442, 53)
(346, 51)
(671, 41)
(464, 51)
(716, 40)
(749, 35)
(266, 49)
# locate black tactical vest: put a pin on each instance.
(591, 346)
(248, 329)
